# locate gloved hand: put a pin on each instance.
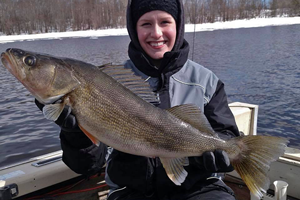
(67, 121)
(79, 153)
(70, 132)
(217, 161)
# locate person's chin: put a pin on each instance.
(157, 56)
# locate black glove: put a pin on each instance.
(67, 121)
(217, 161)
(70, 132)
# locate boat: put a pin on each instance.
(46, 176)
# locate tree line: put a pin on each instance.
(209, 11)
(42, 16)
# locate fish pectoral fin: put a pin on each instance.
(174, 168)
(90, 136)
(191, 114)
(53, 111)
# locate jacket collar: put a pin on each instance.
(171, 62)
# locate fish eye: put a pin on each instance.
(29, 60)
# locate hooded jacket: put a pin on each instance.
(177, 81)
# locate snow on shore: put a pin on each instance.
(257, 22)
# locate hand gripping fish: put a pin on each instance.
(112, 105)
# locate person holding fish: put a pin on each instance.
(159, 53)
(172, 149)
(167, 148)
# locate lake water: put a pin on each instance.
(258, 66)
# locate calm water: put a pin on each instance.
(258, 65)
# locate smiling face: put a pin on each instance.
(156, 32)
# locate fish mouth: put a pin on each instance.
(6, 60)
(10, 63)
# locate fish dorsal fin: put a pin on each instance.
(191, 114)
(53, 111)
(174, 168)
(128, 79)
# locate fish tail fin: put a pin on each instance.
(254, 158)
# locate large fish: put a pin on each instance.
(112, 106)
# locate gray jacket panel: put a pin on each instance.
(187, 85)
(193, 84)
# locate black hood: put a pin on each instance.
(172, 61)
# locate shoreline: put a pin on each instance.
(246, 23)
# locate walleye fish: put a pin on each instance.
(111, 105)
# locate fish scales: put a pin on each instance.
(131, 124)
(123, 112)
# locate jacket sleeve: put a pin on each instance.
(219, 114)
(80, 154)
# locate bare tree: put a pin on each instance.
(295, 7)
